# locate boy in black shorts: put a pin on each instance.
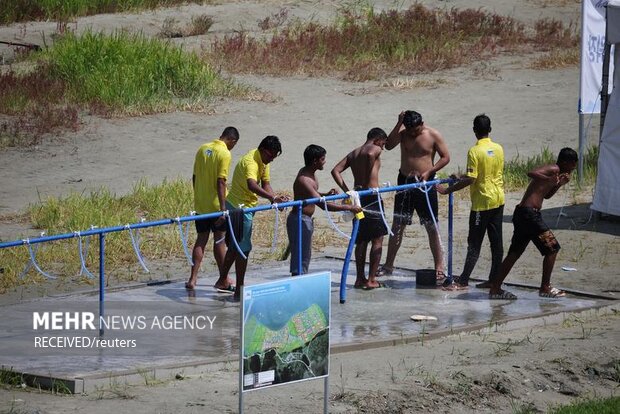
(529, 225)
(365, 162)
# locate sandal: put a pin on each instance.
(502, 295)
(552, 293)
(228, 289)
(454, 287)
(440, 275)
(380, 286)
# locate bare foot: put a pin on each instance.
(360, 283)
(190, 286)
(373, 284)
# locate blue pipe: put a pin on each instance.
(347, 260)
(450, 236)
(299, 203)
(101, 279)
(162, 222)
(299, 241)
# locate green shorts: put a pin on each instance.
(242, 227)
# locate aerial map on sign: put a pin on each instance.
(286, 333)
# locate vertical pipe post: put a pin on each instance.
(347, 259)
(101, 279)
(299, 240)
(582, 140)
(241, 310)
(326, 395)
(450, 232)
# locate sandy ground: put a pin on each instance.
(499, 371)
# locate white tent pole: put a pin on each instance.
(579, 109)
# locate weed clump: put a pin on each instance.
(108, 75)
(363, 44)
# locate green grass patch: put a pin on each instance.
(132, 74)
(78, 211)
(515, 170)
(108, 75)
(598, 406)
(363, 44)
(29, 10)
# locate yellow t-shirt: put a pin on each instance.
(249, 166)
(485, 163)
(212, 161)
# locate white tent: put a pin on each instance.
(607, 194)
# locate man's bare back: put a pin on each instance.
(365, 164)
(546, 180)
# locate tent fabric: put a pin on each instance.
(607, 194)
(613, 30)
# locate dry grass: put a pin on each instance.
(413, 83)
(363, 45)
(554, 3)
(199, 25)
(557, 59)
(274, 20)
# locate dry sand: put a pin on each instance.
(499, 371)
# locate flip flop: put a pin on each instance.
(553, 293)
(503, 295)
(228, 289)
(381, 286)
(454, 287)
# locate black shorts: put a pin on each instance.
(408, 201)
(208, 224)
(372, 225)
(529, 226)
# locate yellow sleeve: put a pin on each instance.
(265, 176)
(224, 166)
(472, 164)
(251, 171)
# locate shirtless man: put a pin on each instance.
(418, 146)
(306, 186)
(364, 162)
(529, 225)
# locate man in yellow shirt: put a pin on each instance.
(211, 166)
(250, 180)
(485, 178)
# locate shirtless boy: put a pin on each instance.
(364, 162)
(418, 146)
(529, 225)
(306, 185)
